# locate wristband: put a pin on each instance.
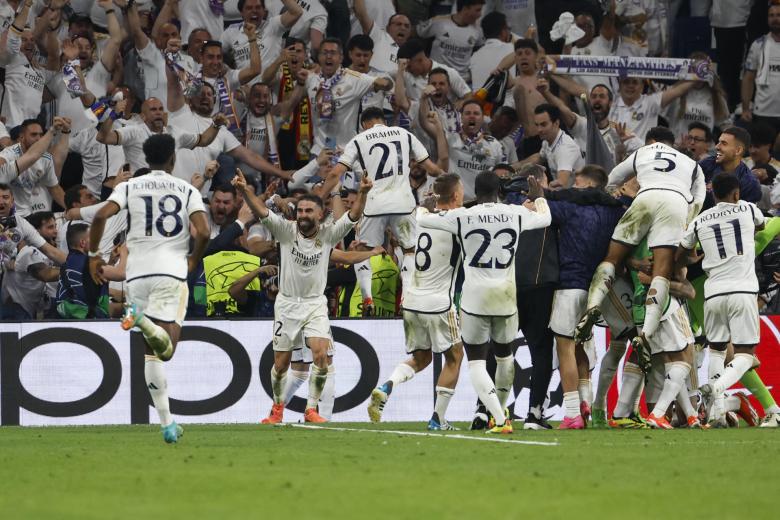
(94, 254)
(241, 225)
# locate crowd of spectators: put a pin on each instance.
(276, 87)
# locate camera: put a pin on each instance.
(8, 222)
(514, 185)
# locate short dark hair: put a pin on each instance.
(258, 84)
(525, 43)
(226, 188)
(505, 111)
(595, 173)
(740, 134)
(549, 109)
(159, 149)
(38, 218)
(610, 95)
(334, 41)
(242, 2)
(211, 43)
(312, 198)
(444, 186)
(660, 134)
(292, 40)
(762, 133)
(471, 101)
(411, 48)
(73, 195)
(487, 185)
(723, 184)
(29, 122)
(4, 187)
(439, 70)
(362, 42)
(372, 113)
(461, 4)
(140, 172)
(502, 166)
(493, 23)
(74, 234)
(696, 125)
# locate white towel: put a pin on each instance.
(565, 27)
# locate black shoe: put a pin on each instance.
(480, 421)
(534, 423)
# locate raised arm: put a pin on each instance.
(258, 162)
(255, 67)
(256, 204)
(270, 70)
(361, 13)
(433, 126)
(288, 106)
(175, 95)
(360, 203)
(569, 117)
(35, 152)
(110, 51)
(677, 90)
(401, 99)
(292, 14)
(59, 151)
(569, 85)
(167, 14)
(140, 40)
(746, 90)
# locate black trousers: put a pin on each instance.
(731, 52)
(534, 305)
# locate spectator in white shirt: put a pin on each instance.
(559, 150)
(269, 31)
(310, 27)
(498, 43)
(762, 75)
(387, 41)
(201, 13)
(5, 138)
(420, 66)
(455, 36)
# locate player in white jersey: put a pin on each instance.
(430, 322)
(301, 308)
(162, 211)
(726, 234)
(488, 234)
(384, 154)
(671, 193)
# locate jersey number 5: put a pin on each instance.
(670, 164)
(178, 225)
(380, 171)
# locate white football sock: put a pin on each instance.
(401, 373)
(486, 390)
(407, 270)
(655, 305)
(732, 403)
(609, 365)
(157, 383)
(443, 396)
(673, 383)
(733, 372)
(363, 273)
(714, 369)
(278, 382)
(293, 382)
(654, 383)
(599, 286)
(684, 402)
(317, 379)
(632, 380)
(328, 396)
(505, 376)
(571, 404)
(156, 337)
(585, 390)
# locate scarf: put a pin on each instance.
(300, 121)
(271, 149)
(226, 106)
(72, 81)
(325, 105)
(762, 76)
(190, 83)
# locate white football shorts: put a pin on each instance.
(404, 227)
(476, 330)
(295, 321)
(661, 215)
(436, 332)
(732, 317)
(160, 298)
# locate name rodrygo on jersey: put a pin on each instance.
(384, 154)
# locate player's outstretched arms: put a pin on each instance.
(357, 208)
(256, 204)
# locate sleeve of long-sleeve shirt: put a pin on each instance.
(749, 188)
(622, 172)
(444, 220)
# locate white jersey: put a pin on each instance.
(31, 187)
(660, 167)
(22, 287)
(639, 117)
(347, 94)
(22, 86)
(453, 44)
(384, 153)
(488, 235)
(113, 232)
(269, 41)
(564, 154)
(385, 56)
(158, 236)
(133, 137)
(726, 234)
(470, 158)
(303, 264)
(436, 263)
(314, 17)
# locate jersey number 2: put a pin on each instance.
(380, 171)
(178, 225)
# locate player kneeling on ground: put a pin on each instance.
(430, 322)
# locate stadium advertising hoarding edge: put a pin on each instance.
(90, 373)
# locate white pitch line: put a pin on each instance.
(423, 434)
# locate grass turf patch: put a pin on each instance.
(242, 471)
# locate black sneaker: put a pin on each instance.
(480, 421)
(534, 423)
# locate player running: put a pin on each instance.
(726, 234)
(162, 211)
(384, 154)
(430, 321)
(301, 308)
(488, 234)
(672, 191)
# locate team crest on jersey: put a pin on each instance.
(472, 41)
(338, 91)
(637, 116)
(317, 243)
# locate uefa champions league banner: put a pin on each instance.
(90, 373)
(672, 69)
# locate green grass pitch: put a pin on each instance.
(245, 471)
